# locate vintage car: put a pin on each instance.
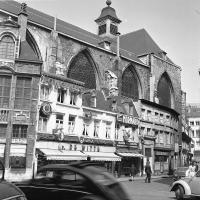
(9, 191)
(180, 172)
(187, 187)
(78, 181)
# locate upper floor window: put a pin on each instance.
(7, 47)
(42, 124)
(3, 130)
(191, 123)
(59, 121)
(61, 96)
(71, 124)
(85, 129)
(19, 131)
(96, 129)
(108, 130)
(73, 98)
(197, 123)
(5, 84)
(44, 92)
(23, 93)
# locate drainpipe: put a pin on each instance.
(118, 44)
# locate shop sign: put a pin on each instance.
(128, 119)
(161, 153)
(45, 109)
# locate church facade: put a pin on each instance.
(68, 94)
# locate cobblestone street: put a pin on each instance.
(156, 190)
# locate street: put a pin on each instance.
(156, 190)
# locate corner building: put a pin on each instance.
(74, 95)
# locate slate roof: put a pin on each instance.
(63, 27)
(108, 12)
(141, 43)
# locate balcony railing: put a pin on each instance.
(4, 114)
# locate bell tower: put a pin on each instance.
(108, 21)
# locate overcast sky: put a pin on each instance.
(173, 24)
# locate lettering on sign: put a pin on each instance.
(128, 119)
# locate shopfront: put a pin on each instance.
(163, 162)
(87, 149)
(127, 145)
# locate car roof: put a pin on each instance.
(9, 190)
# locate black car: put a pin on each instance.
(9, 191)
(79, 181)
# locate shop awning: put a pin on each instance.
(130, 155)
(103, 156)
(55, 154)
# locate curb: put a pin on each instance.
(123, 179)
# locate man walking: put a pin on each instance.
(148, 172)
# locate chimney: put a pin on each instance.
(22, 21)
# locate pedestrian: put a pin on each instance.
(148, 172)
(196, 167)
(132, 172)
(191, 170)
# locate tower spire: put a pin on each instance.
(108, 21)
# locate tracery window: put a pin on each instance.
(7, 47)
(130, 84)
(164, 91)
(81, 69)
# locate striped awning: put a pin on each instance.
(130, 154)
(102, 156)
(55, 154)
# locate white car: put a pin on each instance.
(187, 187)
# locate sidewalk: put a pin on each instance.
(126, 178)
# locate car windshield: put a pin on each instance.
(100, 175)
(182, 169)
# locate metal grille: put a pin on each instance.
(164, 94)
(82, 70)
(129, 84)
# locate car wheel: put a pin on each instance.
(91, 197)
(179, 192)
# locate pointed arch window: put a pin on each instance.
(7, 47)
(81, 69)
(130, 84)
(164, 91)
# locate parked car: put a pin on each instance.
(78, 181)
(179, 173)
(187, 187)
(9, 191)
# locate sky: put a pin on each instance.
(173, 24)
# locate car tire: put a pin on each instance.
(179, 192)
(91, 197)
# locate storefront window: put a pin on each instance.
(17, 162)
